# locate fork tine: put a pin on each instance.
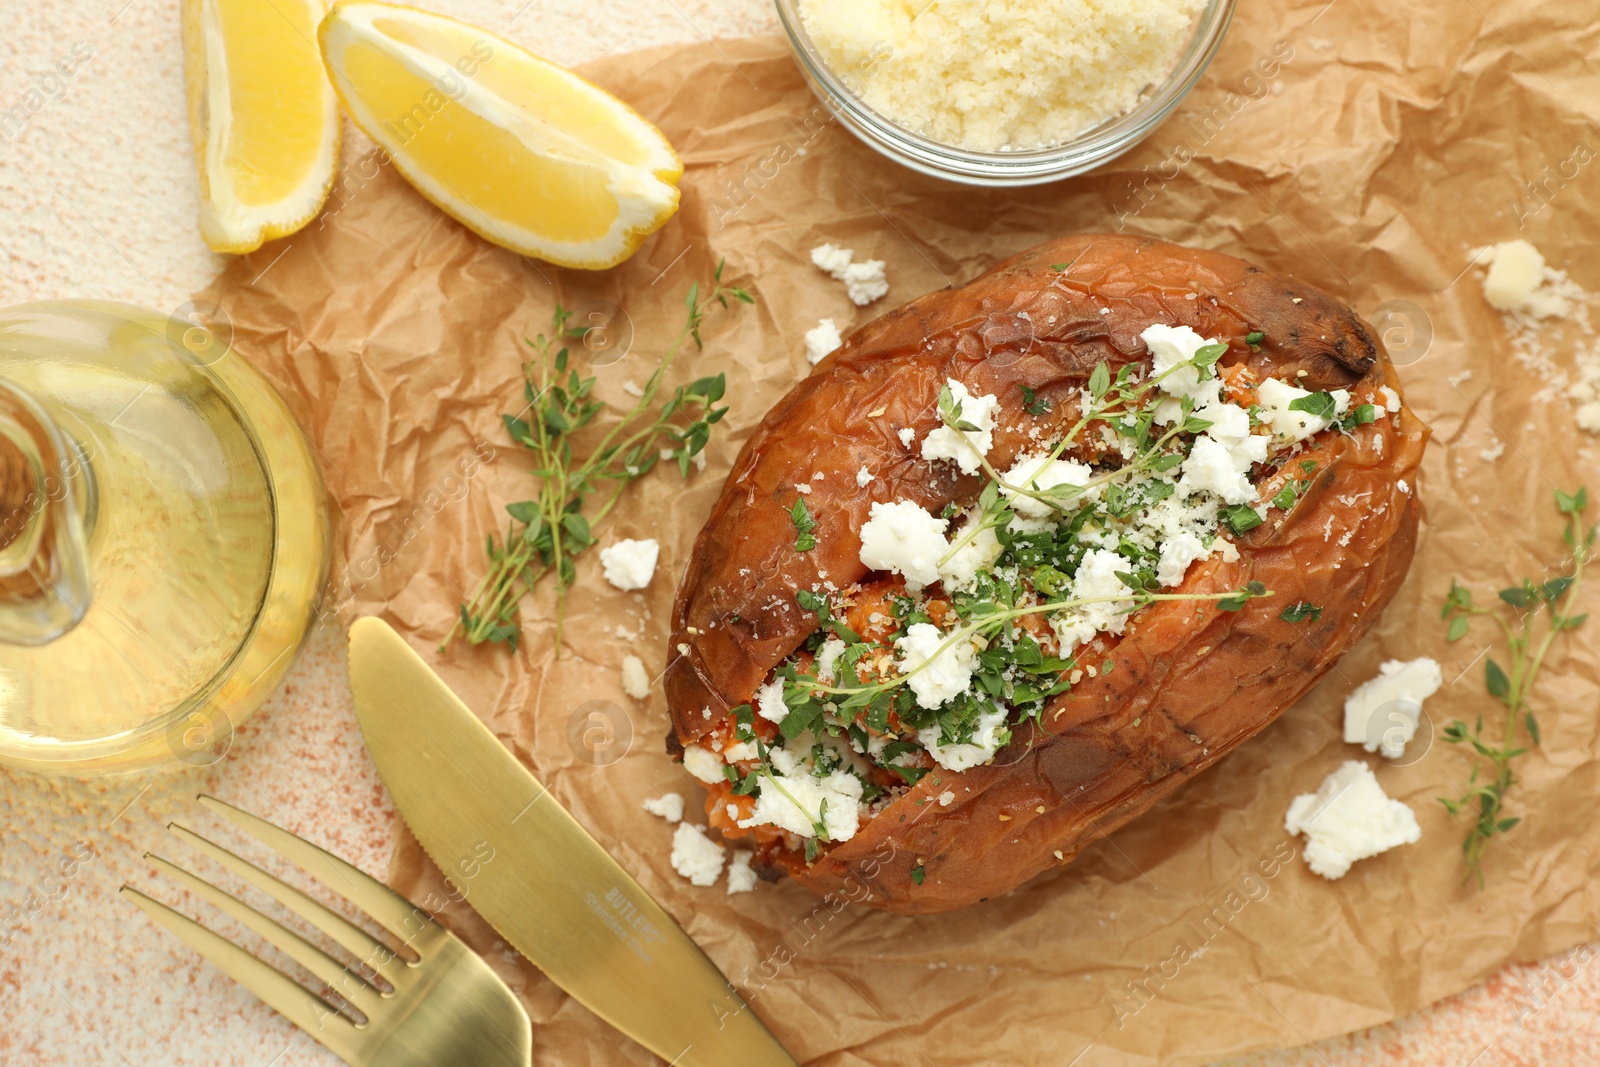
(279, 992)
(360, 944)
(387, 908)
(341, 979)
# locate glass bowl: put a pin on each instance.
(1110, 139)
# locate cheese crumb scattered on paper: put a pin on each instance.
(863, 282)
(629, 564)
(696, 856)
(822, 339)
(1383, 712)
(635, 680)
(741, 878)
(1349, 818)
(668, 806)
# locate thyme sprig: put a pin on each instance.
(549, 531)
(1521, 607)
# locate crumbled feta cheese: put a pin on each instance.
(863, 478)
(696, 856)
(947, 798)
(1213, 467)
(635, 681)
(1177, 553)
(1040, 473)
(906, 435)
(1349, 818)
(1383, 712)
(903, 538)
(1288, 424)
(629, 564)
(1096, 578)
(966, 448)
(863, 282)
(971, 559)
(821, 339)
(987, 737)
(632, 388)
(1515, 280)
(769, 701)
(1170, 346)
(831, 259)
(668, 805)
(936, 675)
(796, 807)
(1391, 400)
(741, 878)
(703, 763)
(828, 659)
(740, 751)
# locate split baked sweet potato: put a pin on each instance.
(1191, 680)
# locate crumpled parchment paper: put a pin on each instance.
(1364, 146)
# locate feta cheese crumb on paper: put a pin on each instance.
(822, 339)
(936, 674)
(741, 877)
(1349, 818)
(1383, 712)
(629, 564)
(635, 680)
(1515, 280)
(668, 806)
(632, 388)
(703, 763)
(696, 856)
(903, 538)
(863, 478)
(831, 259)
(1493, 452)
(863, 282)
(906, 435)
(965, 448)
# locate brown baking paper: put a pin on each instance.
(1363, 146)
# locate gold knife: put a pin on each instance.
(519, 859)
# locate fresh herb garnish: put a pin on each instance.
(1491, 777)
(917, 874)
(1241, 518)
(551, 530)
(1032, 403)
(1319, 405)
(1254, 337)
(1300, 611)
(805, 540)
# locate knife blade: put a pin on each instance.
(520, 859)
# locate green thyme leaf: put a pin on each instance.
(804, 524)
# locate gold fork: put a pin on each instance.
(442, 1009)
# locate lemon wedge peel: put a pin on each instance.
(266, 173)
(558, 196)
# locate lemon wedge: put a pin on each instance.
(264, 118)
(523, 152)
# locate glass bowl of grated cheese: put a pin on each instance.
(1003, 92)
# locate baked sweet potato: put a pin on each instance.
(1191, 681)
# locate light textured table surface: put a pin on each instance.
(99, 201)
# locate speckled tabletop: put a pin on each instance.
(99, 202)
